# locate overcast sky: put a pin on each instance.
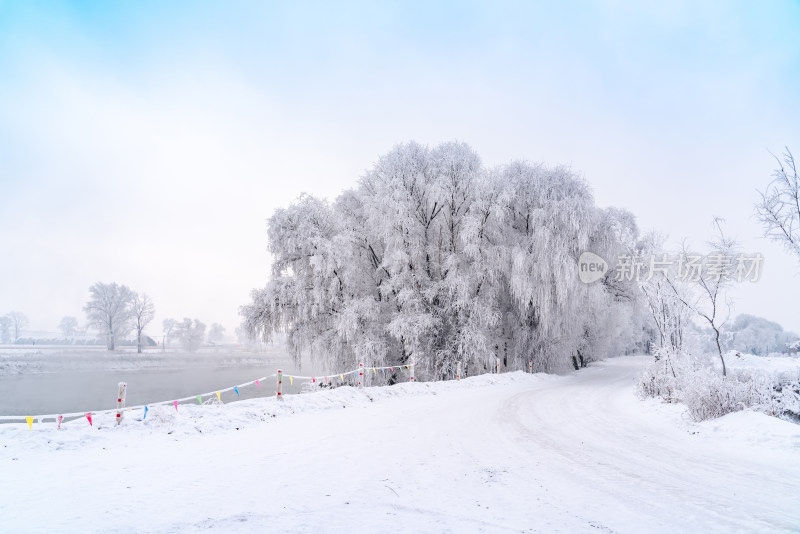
(146, 143)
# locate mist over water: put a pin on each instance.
(58, 380)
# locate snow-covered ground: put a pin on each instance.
(773, 363)
(494, 453)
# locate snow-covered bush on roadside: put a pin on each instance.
(707, 394)
(695, 382)
(786, 396)
(660, 379)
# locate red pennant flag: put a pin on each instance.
(89, 417)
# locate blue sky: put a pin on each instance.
(147, 142)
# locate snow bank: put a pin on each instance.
(756, 429)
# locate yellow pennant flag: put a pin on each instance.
(218, 397)
(291, 380)
(374, 372)
(341, 376)
(30, 422)
(407, 367)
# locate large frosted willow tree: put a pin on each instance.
(436, 258)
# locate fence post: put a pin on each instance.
(411, 379)
(280, 382)
(458, 371)
(123, 389)
(361, 375)
(530, 366)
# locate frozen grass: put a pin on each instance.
(767, 384)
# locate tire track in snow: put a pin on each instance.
(618, 463)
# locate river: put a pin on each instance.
(62, 380)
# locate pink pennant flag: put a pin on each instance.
(60, 418)
(89, 417)
(258, 384)
(313, 380)
(326, 379)
(391, 369)
(176, 405)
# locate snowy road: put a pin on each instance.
(508, 453)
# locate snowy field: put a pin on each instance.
(507, 453)
(773, 363)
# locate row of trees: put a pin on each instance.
(437, 258)
(115, 311)
(190, 333)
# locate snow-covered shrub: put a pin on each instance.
(161, 416)
(707, 394)
(786, 396)
(660, 379)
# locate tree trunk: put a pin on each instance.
(719, 348)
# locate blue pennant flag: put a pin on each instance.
(236, 389)
(145, 413)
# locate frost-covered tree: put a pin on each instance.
(19, 321)
(435, 258)
(108, 310)
(779, 206)
(707, 292)
(615, 320)
(661, 289)
(68, 326)
(168, 326)
(142, 312)
(190, 333)
(216, 334)
(242, 337)
(5, 329)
